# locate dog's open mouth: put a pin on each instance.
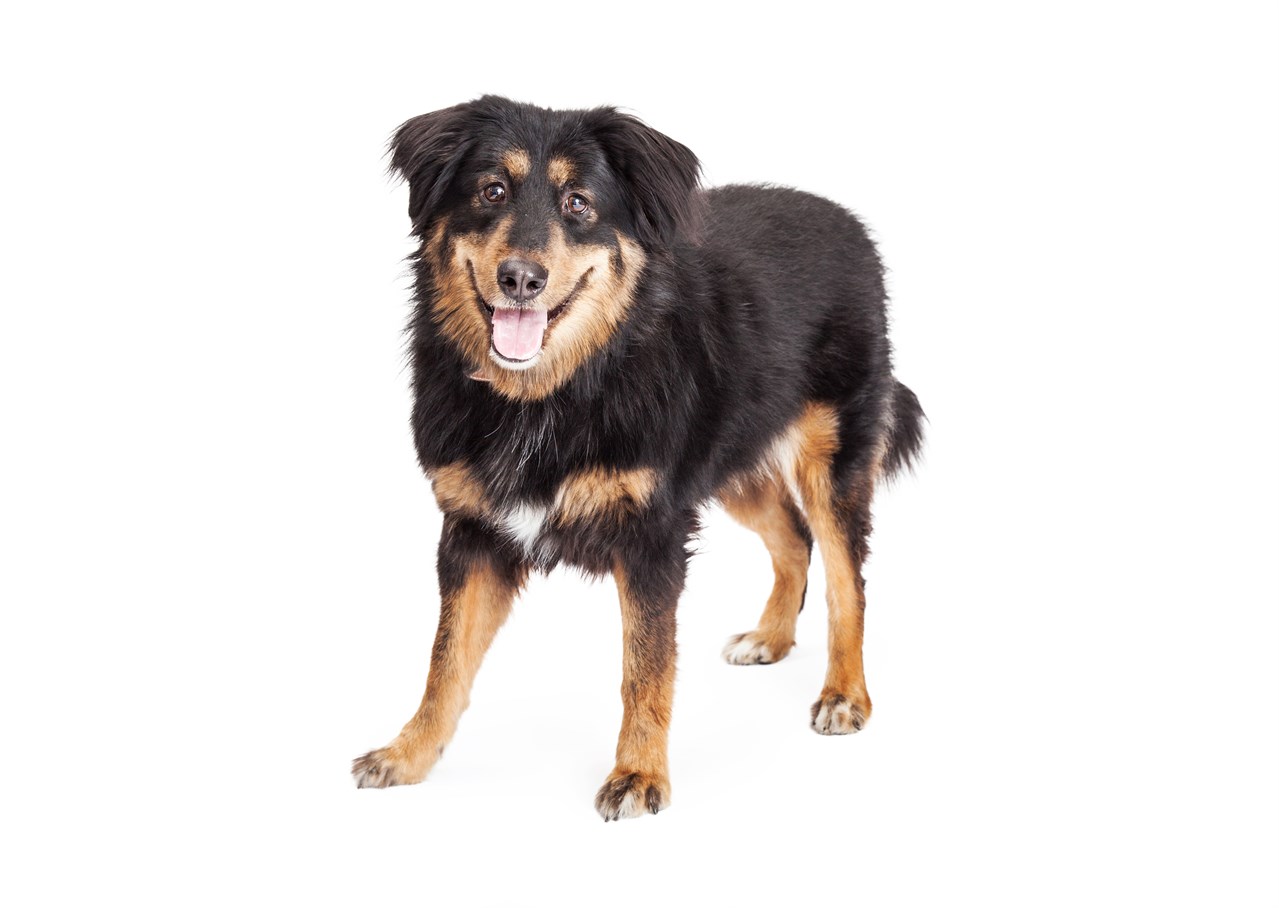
(519, 332)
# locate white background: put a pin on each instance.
(218, 566)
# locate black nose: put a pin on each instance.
(521, 280)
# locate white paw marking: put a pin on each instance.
(632, 806)
(630, 796)
(747, 649)
(836, 716)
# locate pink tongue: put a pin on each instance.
(517, 333)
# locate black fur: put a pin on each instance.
(688, 332)
(754, 301)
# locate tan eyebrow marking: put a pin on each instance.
(560, 171)
(517, 163)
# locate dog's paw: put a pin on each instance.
(391, 765)
(835, 714)
(632, 794)
(751, 649)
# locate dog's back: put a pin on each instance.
(796, 288)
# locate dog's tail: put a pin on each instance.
(906, 431)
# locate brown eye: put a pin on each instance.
(494, 193)
(575, 204)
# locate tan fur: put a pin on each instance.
(603, 494)
(458, 491)
(640, 780)
(469, 620)
(560, 172)
(469, 264)
(817, 437)
(517, 163)
(765, 506)
(799, 465)
(433, 248)
(457, 310)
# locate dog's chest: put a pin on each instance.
(579, 517)
(523, 523)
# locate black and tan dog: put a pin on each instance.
(599, 349)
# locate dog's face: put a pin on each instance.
(537, 226)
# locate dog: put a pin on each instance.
(599, 349)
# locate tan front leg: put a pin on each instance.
(477, 588)
(640, 782)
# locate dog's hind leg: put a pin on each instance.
(648, 584)
(478, 584)
(767, 507)
(840, 518)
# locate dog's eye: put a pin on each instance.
(575, 204)
(494, 193)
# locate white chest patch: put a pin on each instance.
(524, 524)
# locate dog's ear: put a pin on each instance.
(660, 176)
(427, 151)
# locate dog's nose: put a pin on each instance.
(521, 280)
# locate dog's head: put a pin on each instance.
(536, 226)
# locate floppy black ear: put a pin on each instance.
(427, 151)
(659, 173)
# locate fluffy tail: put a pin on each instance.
(906, 436)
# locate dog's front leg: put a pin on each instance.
(649, 590)
(478, 583)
